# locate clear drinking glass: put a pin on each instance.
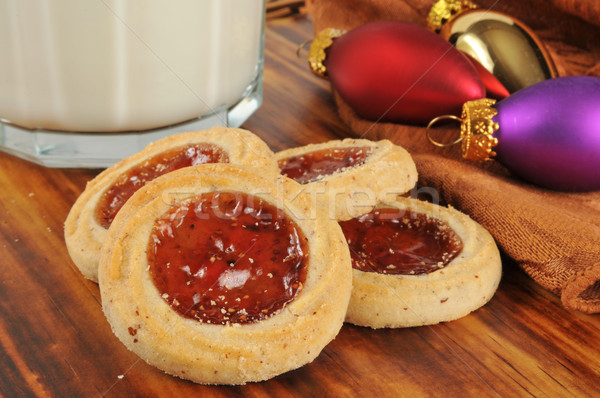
(84, 83)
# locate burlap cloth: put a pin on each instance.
(553, 236)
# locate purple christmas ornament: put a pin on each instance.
(547, 133)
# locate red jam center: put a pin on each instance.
(227, 257)
(129, 182)
(310, 166)
(392, 241)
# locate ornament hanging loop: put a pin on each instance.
(435, 121)
(301, 48)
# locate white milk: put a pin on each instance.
(123, 65)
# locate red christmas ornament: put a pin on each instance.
(396, 72)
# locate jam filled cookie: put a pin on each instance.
(217, 275)
(92, 214)
(415, 263)
(351, 175)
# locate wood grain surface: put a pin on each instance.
(56, 342)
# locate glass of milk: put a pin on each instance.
(85, 83)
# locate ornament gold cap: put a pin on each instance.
(316, 52)
(476, 129)
(445, 10)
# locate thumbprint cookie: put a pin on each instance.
(351, 175)
(92, 214)
(220, 276)
(416, 263)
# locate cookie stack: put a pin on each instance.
(223, 263)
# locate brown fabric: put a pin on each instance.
(553, 236)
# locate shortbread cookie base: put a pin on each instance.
(222, 354)
(387, 172)
(465, 284)
(84, 236)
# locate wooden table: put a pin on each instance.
(55, 340)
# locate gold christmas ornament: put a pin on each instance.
(503, 45)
